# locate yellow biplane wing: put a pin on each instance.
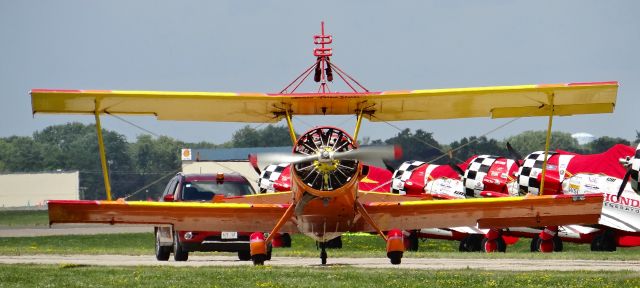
(260, 215)
(495, 102)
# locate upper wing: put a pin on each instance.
(529, 211)
(182, 215)
(496, 102)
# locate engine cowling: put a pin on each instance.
(325, 177)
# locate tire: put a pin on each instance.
(535, 244)
(162, 252)
(471, 243)
(605, 241)
(501, 245)
(286, 240)
(609, 241)
(414, 242)
(557, 244)
(269, 250)
(395, 257)
(179, 254)
(244, 255)
(596, 243)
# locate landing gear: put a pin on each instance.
(495, 245)
(335, 243)
(538, 245)
(413, 243)
(605, 241)
(323, 253)
(258, 248)
(493, 241)
(395, 246)
(471, 243)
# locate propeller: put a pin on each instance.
(456, 168)
(370, 154)
(254, 163)
(514, 154)
(625, 179)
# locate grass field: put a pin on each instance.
(267, 276)
(354, 245)
(24, 218)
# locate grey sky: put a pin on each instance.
(262, 45)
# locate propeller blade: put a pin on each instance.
(370, 153)
(456, 168)
(265, 159)
(388, 165)
(253, 160)
(516, 156)
(625, 179)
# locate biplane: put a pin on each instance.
(327, 163)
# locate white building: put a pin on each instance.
(33, 189)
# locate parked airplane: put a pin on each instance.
(324, 200)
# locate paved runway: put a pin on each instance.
(407, 263)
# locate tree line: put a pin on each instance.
(135, 166)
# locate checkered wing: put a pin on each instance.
(475, 173)
(402, 174)
(269, 176)
(529, 171)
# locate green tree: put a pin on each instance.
(74, 146)
(269, 136)
(416, 146)
(467, 147)
(604, 143)
(154, 159)
(530, 141)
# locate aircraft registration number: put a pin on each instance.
(229, 235)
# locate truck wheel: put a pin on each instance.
(286, 240)
(179, 254)
(244, 255)
(162, 252)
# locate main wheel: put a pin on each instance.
(471, 243)
(395, 257)
(498, 245)
(162, 252)
(414, 243)
(179, 254)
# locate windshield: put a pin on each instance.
(205, 191)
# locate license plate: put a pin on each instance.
(229, 235)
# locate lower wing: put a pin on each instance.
(529, 211)
(187, 216)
